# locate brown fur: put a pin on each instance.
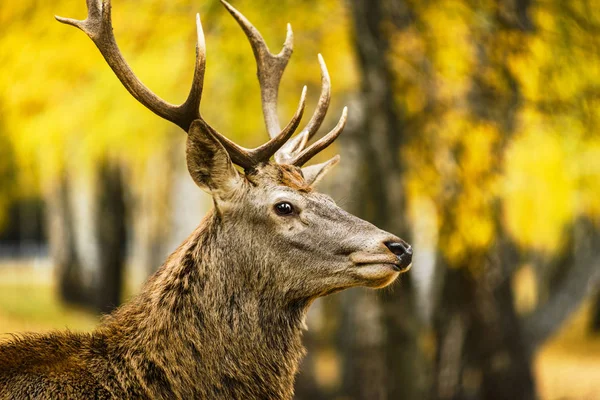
(221, 319)
(193, 332)
(282, 175)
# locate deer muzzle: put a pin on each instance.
(396, 253)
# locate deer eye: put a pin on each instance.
(284, 208)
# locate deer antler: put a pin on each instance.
(270, 69)
(301, 157)
(296, 144)
(98, 26)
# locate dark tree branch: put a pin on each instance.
(595, 322)
(582, 266)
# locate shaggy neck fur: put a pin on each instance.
(206, 326)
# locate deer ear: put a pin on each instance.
(314, 173)
(208, 162)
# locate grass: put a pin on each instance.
(29, 303)
(566, 368)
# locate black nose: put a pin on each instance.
(403, 251)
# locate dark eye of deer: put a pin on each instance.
(284, 208)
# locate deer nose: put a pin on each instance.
(403, 251)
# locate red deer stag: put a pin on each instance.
(223, 317)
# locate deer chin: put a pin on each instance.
(376, 275)
(376, 270)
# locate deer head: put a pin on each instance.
(267, 209)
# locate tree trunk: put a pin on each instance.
(481, 350)
(379, 332)
(502, 350)
(93, 281)
(61, 236)
(110, 218)
(595, 320)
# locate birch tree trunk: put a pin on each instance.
(110, 218)
(89, 271)
(61, 237)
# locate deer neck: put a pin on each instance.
(209, 329)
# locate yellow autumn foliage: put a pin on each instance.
(536, 175)
(62, 108)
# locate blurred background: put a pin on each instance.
(472, 134)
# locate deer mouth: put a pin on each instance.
(397, 264)
(376, 274)
(402, 267)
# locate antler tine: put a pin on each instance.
(270, 67)
(98, 26)
(265, 151)
(308, 153)
(249, 158)
(297, 144)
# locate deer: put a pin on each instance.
(223, 317)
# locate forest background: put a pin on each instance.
(472, 134)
